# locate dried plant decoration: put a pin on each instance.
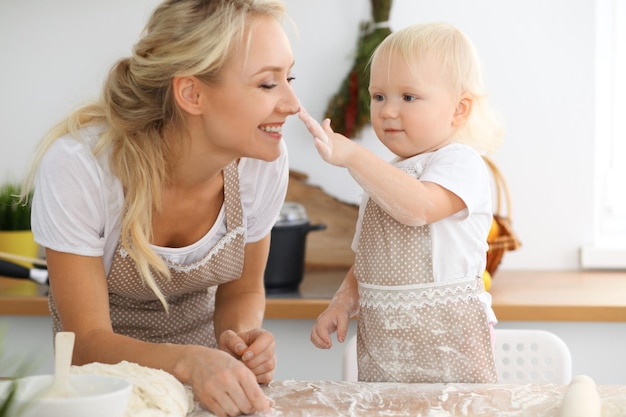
(349, 108)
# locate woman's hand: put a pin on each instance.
(256, 348)
(223, 384)
(333, 147)
(239, 308)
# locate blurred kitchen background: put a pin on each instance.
(545, 64)
(539, 61)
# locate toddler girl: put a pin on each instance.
(421, 237)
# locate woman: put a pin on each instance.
(155, 203)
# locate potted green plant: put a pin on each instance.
(11, 370)
(8, 388)
(15, 235)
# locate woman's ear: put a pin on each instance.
(187, 95)
(463, 110)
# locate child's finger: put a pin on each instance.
(317, 131)
(319, 340)
(322, 148)
(326, 127)
(313, 126)
(342, 330)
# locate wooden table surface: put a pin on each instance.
(517, 296)
(361, 399)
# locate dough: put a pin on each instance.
(581, 398)
(156, 393)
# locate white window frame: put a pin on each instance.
(608, 250)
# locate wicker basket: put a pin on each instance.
(505, 238)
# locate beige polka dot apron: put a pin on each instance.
(410, 328)
(136, 311)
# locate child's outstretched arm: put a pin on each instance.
(406, 199)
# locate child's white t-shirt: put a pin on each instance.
(459, 242)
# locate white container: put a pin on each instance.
(99, 396)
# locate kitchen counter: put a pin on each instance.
(570, 296)
(360, 399)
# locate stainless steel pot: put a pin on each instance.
(285, 264)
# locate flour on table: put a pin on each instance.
(156, 393)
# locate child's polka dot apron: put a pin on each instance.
(411, 329)
(135, 310)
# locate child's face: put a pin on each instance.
(412, 108)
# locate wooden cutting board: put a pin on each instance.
(329, 248)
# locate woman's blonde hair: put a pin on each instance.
(460, 63)
(182, 38)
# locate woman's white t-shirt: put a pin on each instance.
(77, 202)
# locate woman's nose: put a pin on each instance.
(289, 103)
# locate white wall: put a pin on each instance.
(539, 66)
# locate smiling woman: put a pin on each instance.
(155, 202)
(255, 83)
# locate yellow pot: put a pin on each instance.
(19, 242)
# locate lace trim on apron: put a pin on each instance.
(229, 237)
(407, 297)
(412, 171)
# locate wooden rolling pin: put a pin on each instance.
(581, 398)
(20, 258)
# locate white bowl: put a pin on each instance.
(99, 396)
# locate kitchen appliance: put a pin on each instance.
(285, 264)
(13, 270)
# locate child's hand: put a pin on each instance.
(333, 147)
(334, 318)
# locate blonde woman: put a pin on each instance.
(154, 204)
(421, 238)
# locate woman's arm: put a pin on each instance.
(240, 304)
(239, 309)
(79, 287)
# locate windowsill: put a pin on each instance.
(603, 258)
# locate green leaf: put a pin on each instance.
(14, 215)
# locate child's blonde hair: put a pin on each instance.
(460, 63)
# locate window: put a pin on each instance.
(609, 248)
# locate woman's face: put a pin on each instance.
(253, 97)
